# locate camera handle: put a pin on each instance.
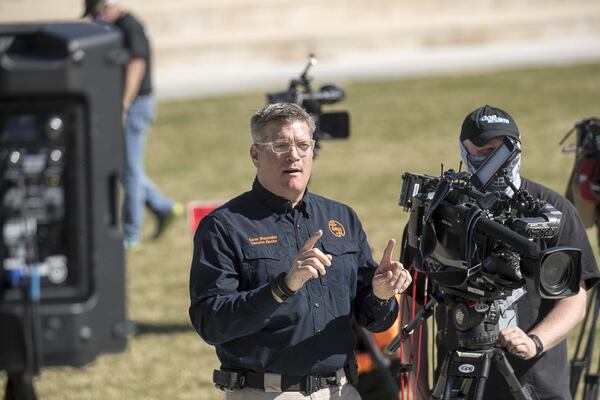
(504, 174)
(409, 328)
(381, 363)
(529, 203)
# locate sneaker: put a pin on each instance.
(163, 221)
(132, 244)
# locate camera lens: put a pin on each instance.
(555, 273)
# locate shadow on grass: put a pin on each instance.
(144, 328)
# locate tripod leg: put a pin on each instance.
(591, 380)
(451, 384)
(518, 390)
(483, 375)
(590, 390)
(440, 386)
(19, 386)
(597, 222)
(581, 362)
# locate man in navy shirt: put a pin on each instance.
(278, 275)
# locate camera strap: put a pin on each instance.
(428, 240)
(440, 194)
(473, 216)
(426, 246)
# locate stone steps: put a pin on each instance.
(285, 29)
(220, 34)
(396, 30)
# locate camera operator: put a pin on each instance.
(278, 273)
(536, 344)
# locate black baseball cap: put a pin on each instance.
(486, 123)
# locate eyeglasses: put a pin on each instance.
(282, 147)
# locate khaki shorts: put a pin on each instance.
(343, 392)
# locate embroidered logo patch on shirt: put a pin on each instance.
(263, 240)
(336, 228)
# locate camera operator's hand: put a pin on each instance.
(309, 263)
(390, 277)
(516, 342)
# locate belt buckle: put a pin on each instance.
(312, 384)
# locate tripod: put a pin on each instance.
(477, 332)
(461, 368)
(477, 335)
(583, 362)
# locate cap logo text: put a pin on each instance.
(494, 119)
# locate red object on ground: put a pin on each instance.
(198, 209)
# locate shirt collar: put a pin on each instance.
(278, 204)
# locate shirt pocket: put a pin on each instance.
(260, 265)
(341, 275)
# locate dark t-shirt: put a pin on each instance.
(549, 373)
(136, 41)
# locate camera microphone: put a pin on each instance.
(502, 233)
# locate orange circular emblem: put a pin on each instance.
(336, 228)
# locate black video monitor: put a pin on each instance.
(500, 158)
(334, 125)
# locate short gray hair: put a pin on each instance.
(279, 112)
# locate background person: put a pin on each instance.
(138, 114)
(536, 348)
(278, 273)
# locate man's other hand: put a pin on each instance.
(390, 277)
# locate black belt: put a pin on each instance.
(289, 383)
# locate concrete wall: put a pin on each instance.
(204, 46)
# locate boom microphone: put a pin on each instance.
(513, 239)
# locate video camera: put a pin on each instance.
(477, 246)
(583, 188)
(330, 125)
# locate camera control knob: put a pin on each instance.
(14, 157)
(54, 127)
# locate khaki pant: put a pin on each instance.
(343, 392)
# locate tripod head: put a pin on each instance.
(477, 322)
(477, 325)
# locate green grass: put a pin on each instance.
(198, 150)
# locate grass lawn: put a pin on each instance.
(198, 150)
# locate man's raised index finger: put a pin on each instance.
(387, 253)
(310, 243)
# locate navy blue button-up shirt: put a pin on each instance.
(244, 245)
